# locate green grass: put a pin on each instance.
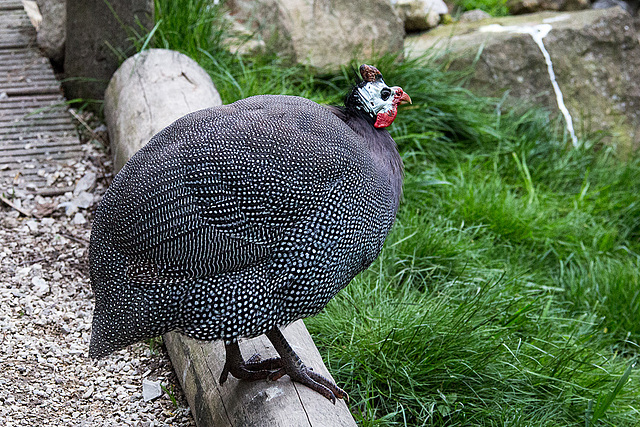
(492, 7)
(508, 292)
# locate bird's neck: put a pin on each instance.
(382, 147)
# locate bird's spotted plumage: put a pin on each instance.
(239, 219)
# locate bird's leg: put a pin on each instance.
(298, 372)
(253, 369)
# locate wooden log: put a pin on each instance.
(174, 85)
(149, 92)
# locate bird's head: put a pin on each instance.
(375, 100)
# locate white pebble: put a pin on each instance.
(79, 219)
(151, 390)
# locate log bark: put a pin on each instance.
(148, 92)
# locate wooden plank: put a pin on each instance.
(22, 54)
(30, 141)
(198, 365)
(36, 101)
(49, 135)
(16, 22)
(19, 162)
(7, 4)
(26, 90)
(16, 18)
(52, 104)
(35, 124)
(16, 115)
(36, 130)
(43, 132)
(31, 88)
(34, 142)
(28, 75)
(42, 140)
(14, 41)
(62, 150)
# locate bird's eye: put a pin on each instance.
(385, 93)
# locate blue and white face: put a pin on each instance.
(381, 101)
(376, 97)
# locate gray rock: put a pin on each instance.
(86, 183)
(324, 34)
(595, 56)
(420, 15)
(47, 222)
(40, 286)
(94, 30)
(241, 41)
(519, 7)
(474, 15)
(52, 29)
(33, 225)
(172, 82)
(151, 390)
(84, 200)
(88, 392)
(79, 219)
(70, 208)
(606, 4)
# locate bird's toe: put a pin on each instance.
(314, 381)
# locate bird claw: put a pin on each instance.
(337, 391)
(314, 381)
(275, 368)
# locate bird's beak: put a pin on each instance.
(401, 96)
(405, 99)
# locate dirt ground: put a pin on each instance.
(46, 377)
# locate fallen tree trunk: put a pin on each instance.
(148, 92)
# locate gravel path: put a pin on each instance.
(46, 377)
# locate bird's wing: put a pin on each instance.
(218, 189)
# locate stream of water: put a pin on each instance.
(538, 33)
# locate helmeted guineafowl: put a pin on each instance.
(237, 220)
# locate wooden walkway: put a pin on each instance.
(36, 129)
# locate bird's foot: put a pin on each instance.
(314, 381)
(298, 372)
(255, 364)
(252, 369)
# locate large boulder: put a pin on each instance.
(474, 15)
(52, 29)
(99, 36)
(149, 92)
(595, 56)
(630, 6)
(518, 7)
(420, 15)
(323, 33)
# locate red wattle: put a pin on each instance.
(385, 119)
